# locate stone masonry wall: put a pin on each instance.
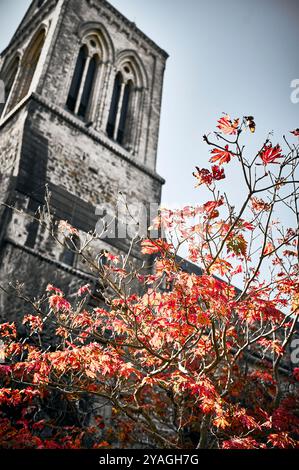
(42, 143)
(125, 38)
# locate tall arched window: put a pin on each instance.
(123, 114)
(114, 105)
(77, 78)
(87, 90)
(118, 120)
(8, 76)
(83, 83)
(28, 68)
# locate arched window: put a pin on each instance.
(83, 83)
(114, 105)
(28, 68)
(8, 77)
(118, 120)
(77, 78)
(124, 112)
(87, 90)
(122, 119)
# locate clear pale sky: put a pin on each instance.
(232, 56)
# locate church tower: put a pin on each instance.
(83, 89)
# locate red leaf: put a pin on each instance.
(269, 154)
(268, 249)
(150, 247)
(221, 156)
(227, 126)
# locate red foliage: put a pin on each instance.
(270, 154)
(179, 358)
(220, 156)
(227, 126)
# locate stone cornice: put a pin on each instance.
(58, 264)
(131, 26)
(75, 122)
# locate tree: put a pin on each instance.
(181, 359)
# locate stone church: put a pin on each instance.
(83, 89)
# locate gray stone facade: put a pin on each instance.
(43, 143)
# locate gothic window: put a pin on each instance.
(84, 79)
(118, 126)
(88, 87)
(114, 105)
(125, 102)
(77, 78)
(124, 112)
(28, 67)
(8, 77)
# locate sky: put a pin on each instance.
(232, 56)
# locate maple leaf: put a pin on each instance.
(57, 302)
(102, 444)
(237, 270)
(110, 257)
(245, 420)
(220, 265)
(227, 126)
(220, 156)
(210, 207)
(268, 249)
(8, 330)
(295, 132)
(282, 440)
(273, 344)
(237, 244)
(203, 176)
(269, 154)
(34, 322)
(84, 290)
(218, 173)
(258, 205)
(51, 288)
(4, 370)
(66, 228)
(244, 224)
(60, 331)
(221, 422)
(241, 443)
(150, 247)
(295, 302)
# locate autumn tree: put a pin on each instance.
(178, 359)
